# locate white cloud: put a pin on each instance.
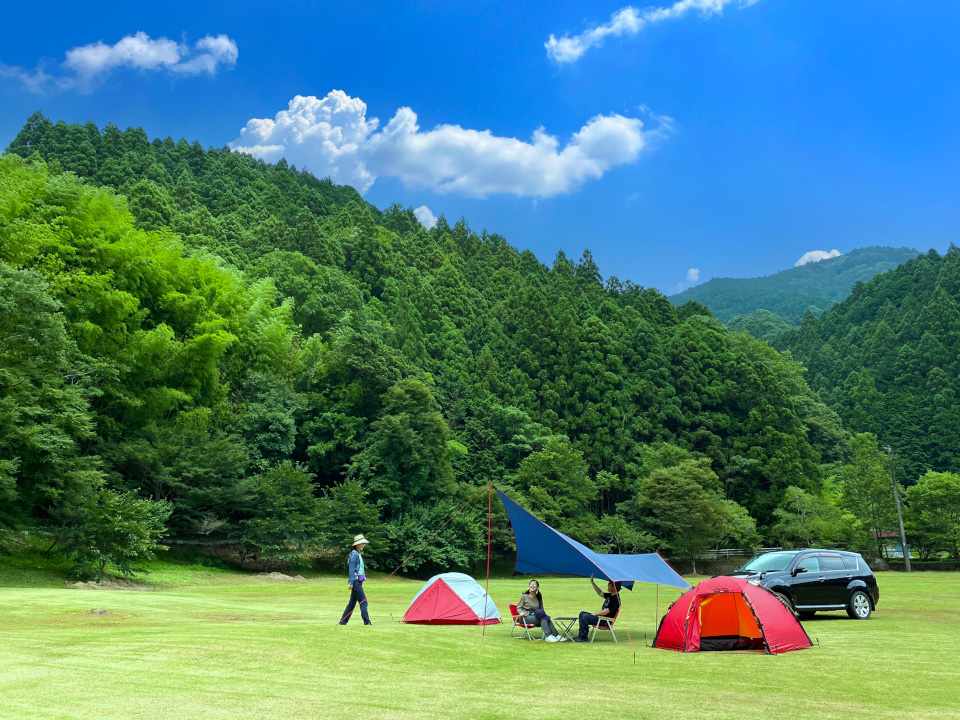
(211, 51)
(693, 277)
(629, 21)
(816, 256)
(333, 136)
(426, 217)
(137, 51)
(35, 80)
(83, 67)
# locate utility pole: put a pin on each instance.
(896, 497)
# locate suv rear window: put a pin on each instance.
(831, 562)
(850, 562)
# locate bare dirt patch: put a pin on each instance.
(250, 618)
(281, 577)
(112, 584)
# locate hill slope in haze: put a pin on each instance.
(790, 293)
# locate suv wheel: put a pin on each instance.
(859, 606)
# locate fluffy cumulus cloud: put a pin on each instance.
(333, 136)
(816, 256)
(84, 67)
(630, 21)
(693, 277)
(426, 217)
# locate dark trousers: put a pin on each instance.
(546, 623)
(356, 596)
(586, 620)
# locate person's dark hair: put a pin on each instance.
(617, 585)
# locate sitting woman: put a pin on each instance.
(530, 610)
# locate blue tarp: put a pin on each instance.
(545, 551)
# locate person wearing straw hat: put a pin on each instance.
(355, 577)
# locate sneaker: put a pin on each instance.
(552, 638)
(561, 638)
(579, 639)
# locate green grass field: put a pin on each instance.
(216, 644)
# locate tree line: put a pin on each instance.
(199, 344)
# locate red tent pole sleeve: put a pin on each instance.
(486, 590)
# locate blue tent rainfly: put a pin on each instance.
(543, 550)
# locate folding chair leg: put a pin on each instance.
(524, 632)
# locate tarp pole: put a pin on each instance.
(486, 590)
(656, 613)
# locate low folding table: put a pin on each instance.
(565, 626)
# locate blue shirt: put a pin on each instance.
(354, 566)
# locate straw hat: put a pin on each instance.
(360, 540)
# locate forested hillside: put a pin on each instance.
(815, 286)
(888, 360)
(196, 340)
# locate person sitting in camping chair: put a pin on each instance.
(530, 611)
(611, 606)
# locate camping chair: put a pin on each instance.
(521, 622)
(604, 623)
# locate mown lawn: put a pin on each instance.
(215, 644)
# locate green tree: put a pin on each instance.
(934, 510)
(682, 506)
(406, 460)
(866, 487)
(116, 528)
(45, 420)
(347, 513)
(287, 516)
(558, 489)
(416, 542)
(806, 520)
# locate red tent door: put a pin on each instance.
(723, 621)
(440, 605)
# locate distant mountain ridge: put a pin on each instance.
(790, 293)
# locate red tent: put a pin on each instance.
(728, 613)
(452, 599)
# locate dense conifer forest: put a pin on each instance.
(887, 359)
(197, 344)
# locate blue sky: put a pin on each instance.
(769, 129)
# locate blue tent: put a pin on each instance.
(542, 550)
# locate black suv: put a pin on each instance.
(810, 580)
